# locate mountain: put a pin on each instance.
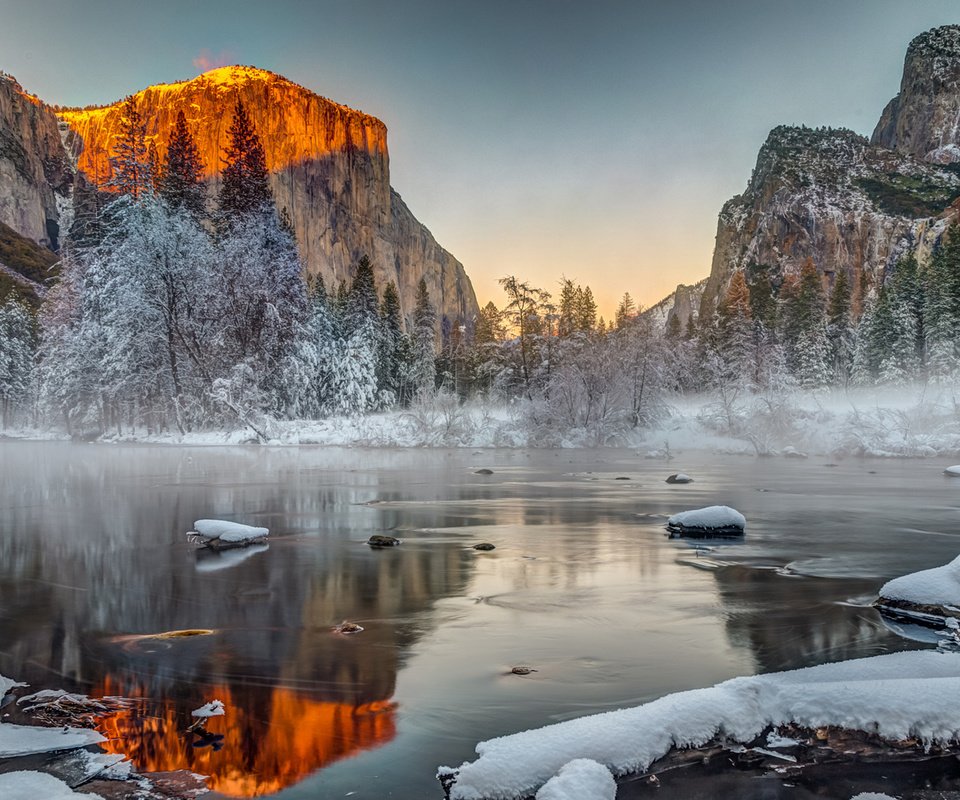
(847, 202)
(329, 165)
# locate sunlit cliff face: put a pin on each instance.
(293, 123)
(329, 171)
(257, 748)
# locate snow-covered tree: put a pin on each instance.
(423, 370)
(17, 355)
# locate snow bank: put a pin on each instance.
(24, 740)
(939, 586)
(709, 519)
(6, 684)
(581, 779)
(901, 695)
(230, 532)
(37, 785)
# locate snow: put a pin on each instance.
(6, 684)
(953, 471)
(776, 740)
(580, 779)
(920, 692)
(709, 518)
(24, 740)
(36, 785)
(872, 796)
(939, 586)
(232, 532)
(212, 709)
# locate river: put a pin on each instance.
(583, 587)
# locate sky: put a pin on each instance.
(592, 140)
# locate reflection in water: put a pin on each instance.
(583, 587)
(268, 740)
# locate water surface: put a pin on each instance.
(583, 586)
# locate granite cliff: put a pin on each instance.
(329, 168)
(845, 201)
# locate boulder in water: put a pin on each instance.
(679, 477)
(709, 521)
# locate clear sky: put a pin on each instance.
(590, 139)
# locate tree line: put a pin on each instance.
(169, 314)
(178, 311)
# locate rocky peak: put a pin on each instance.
(329, 165)
(924, 118)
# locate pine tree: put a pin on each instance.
(17, 353)
(567, 312)
(626, 311)
(392, 349)
(362, 306)
(840, 333)
(735, 330)
(942, 307)
(423, 366)
(244, 186)
(131, 160)
(586, 310)
(181, 179)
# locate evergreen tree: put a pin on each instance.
(626, 311)
(734, 341)
(586, 310)
(393, 349)
(244, 186)
(131, 160)
(803, 314)
(840, 333)
(362, 306)
(567, 311)
(486, 357)
(673, 326)
(181, 179)
(907, 288)
(942, 307)
(423, 362)
(17, 353)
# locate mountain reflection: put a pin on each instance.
(94, 564)
(272, 737)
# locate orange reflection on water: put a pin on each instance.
(295, 737)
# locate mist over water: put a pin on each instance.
(583, 586)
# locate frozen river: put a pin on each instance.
(583, 586)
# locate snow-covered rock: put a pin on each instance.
(25, 740)
(214, 708)
(709, 520)
(920, 693)
(25, 785)
(6, 684)
(931, 593)
(953, 472)
(679, 477)
(580, 779)
(222, 533)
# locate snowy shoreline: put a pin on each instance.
(919, 421)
